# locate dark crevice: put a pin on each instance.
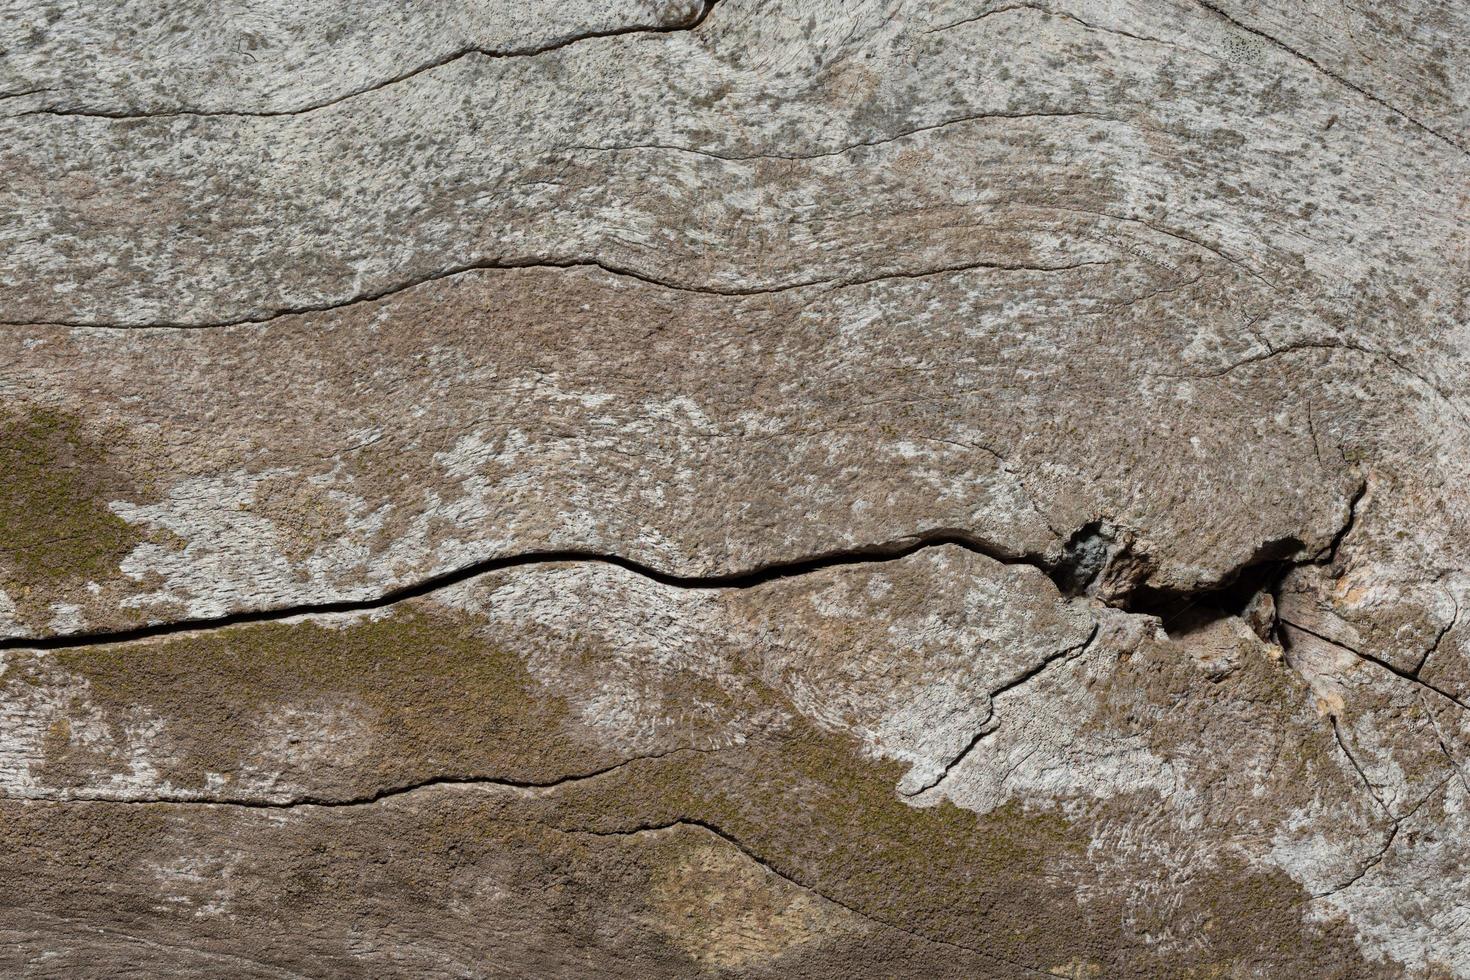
(761, 575)
(1100, 560)
(1084, 557)
(1185, 611)
(440, 62)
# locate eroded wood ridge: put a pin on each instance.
(734, 489)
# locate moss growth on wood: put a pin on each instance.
(1008, 883)
(414, 694)
(56, 480)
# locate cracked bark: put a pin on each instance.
(654, 397)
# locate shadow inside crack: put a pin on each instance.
(1102, 561)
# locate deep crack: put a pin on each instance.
(1260, 575)
(865, 555)
(1074, 573)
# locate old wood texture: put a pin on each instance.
(744, 489)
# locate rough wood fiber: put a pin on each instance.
(760, 489)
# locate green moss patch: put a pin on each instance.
(389, 701)
(1018, 882)
(55, 483)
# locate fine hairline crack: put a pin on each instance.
(1358, 766)
(695, 823)
(1327, 73)
(986, 728)
(1388, 840)
(510, 265)
(864, 144)
(1399, 672)
(366, 799)
(688, 24)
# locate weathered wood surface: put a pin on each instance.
(756, 489)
